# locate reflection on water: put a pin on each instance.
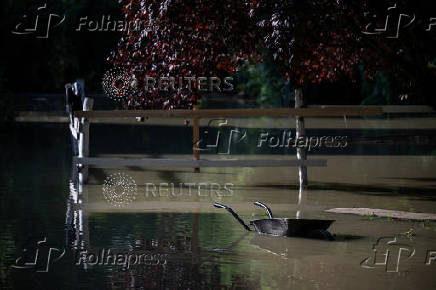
(188, 244)
(163, 253)
(212, 251)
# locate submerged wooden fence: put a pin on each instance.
(196, 114)
(80, 121)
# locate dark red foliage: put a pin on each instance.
(310, 41)
(182, 39)
(324, 40)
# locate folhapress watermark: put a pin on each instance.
(235, 136)
(389, 253)
(394, 21)
(286, 140)
(45, 20)
(40, 24)
(222, 142)
(105, 24)
(38, 256)
(110, 257)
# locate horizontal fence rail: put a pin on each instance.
(189, 163)
(236, 113)
(196, 114)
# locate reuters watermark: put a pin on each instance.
(203, 189)
(118, 83)
(120, 189)
(173, 84)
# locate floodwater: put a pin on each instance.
(175, 239)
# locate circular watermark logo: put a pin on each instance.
(119, 189)
(119, 84)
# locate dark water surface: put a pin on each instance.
(187, 244)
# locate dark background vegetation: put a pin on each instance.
(42, 66)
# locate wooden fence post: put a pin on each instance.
(84, 137)
(300, 132)
(196, 137)
(72, 102)
(79, 126)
